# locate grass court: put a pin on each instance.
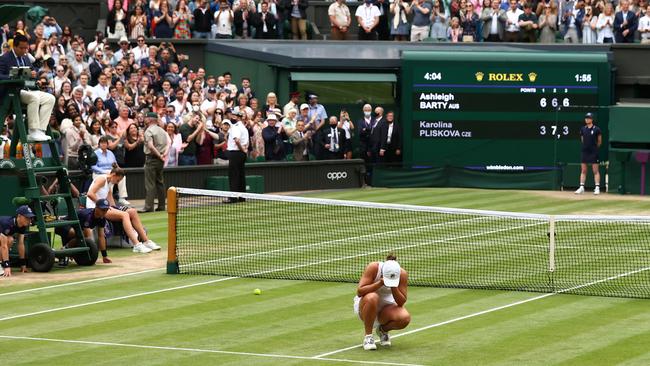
(151, 318)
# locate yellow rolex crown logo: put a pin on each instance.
(479, 76)
(532, 76)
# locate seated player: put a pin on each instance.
(102, 188)
(39, 104)
(89, 218)
(10, 225)
(380, 300)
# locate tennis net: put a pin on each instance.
(286, 237)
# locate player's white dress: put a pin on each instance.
(385, 295)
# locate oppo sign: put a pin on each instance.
(337, 175)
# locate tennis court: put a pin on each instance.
(154, 318)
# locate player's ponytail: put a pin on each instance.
(391, 257)
(117, 171)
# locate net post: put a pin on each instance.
(551, 244)
(172, 209)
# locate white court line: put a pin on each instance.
(493, 309)
(199, 350)
(226, 259)
(81, 282)
(248, 275)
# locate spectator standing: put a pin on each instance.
(512, 22)
(182, 18)
(189, 132)
(75, 135)
(589, 26)
(390, 135)
(368, 19)
(494, 19)
(223, 21)
(300, 140)
(605, 25)
(174, 143)
(383, 29)
(155, 150)
(295, 12)
(294, 100)
(454, 32)
(78, 65)
(644, 27)
(528, 25)
(273, 135)
(242, 19)
(399, 25)
(625, 24)
(573, 25)
(265, 23)
(340, 20)
(439, 16)
(421, 20)
(162, 21)
(346, 124)
(116, 21)
(138, 22)
(50, 26)
(547, 25)
(256, 139)
(469, 23)
(203, 19)
(134, 155)
(317, 113)
(141, 52)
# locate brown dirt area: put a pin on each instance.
(120, 265)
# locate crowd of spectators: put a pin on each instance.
(103, 95)
(545, 21)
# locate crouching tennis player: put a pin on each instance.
(380, 300)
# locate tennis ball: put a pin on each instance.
(257, 291)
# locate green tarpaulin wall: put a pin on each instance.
(466, 178)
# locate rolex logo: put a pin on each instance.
(479, 76)
(532, 77)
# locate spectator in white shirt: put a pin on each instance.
(223, 21)
(512, 22)
(368, 18)
(605, 25)
(644, 27)
(101, 89)
(141, 52)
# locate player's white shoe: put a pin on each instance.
(151, 245)
(140, 248)
(369, 343)
(597, 190)
(384, 338)
(580, 190)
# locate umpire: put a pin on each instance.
(155, 150)
(237, 147)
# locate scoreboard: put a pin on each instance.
(501, 109)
